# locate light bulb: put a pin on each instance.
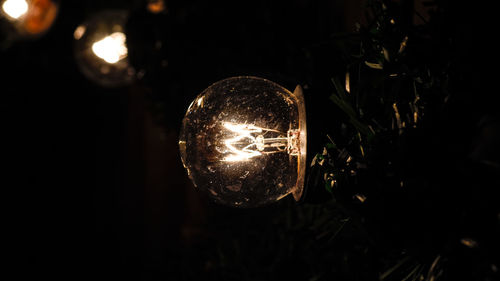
(243, 142)
(15, 8)
(101, 51)
(111, 48)
(29, 17)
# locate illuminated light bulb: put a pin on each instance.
(30, 17)
(15, 8)
(100, 49)
(243, 142)
(111, 48)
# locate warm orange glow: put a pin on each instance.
(111, 48)
(40, 16)
(156, 6)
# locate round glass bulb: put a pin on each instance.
(243, 142)
(29, 17)
(101, 50)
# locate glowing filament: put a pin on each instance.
(250, 142)
(15, 8)
(111, 48)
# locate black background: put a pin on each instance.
(92, 184)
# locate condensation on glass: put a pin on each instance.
(101, 51)
(243, 142)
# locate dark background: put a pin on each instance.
(92, 184)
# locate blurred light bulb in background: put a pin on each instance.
(101, 51)
(243, 141)
(15, 8)
(111, 48)
(30, 17)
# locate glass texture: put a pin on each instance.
(243, 141)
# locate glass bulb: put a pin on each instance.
(101, 51)
(15, 8)
(243, 141)
(29, 17)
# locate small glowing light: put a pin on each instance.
(15, 8)
(403, 44)
(79, 31)
(347, 83)
(111, 48)
(156, 6)
(360, 197)
(469, 242)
